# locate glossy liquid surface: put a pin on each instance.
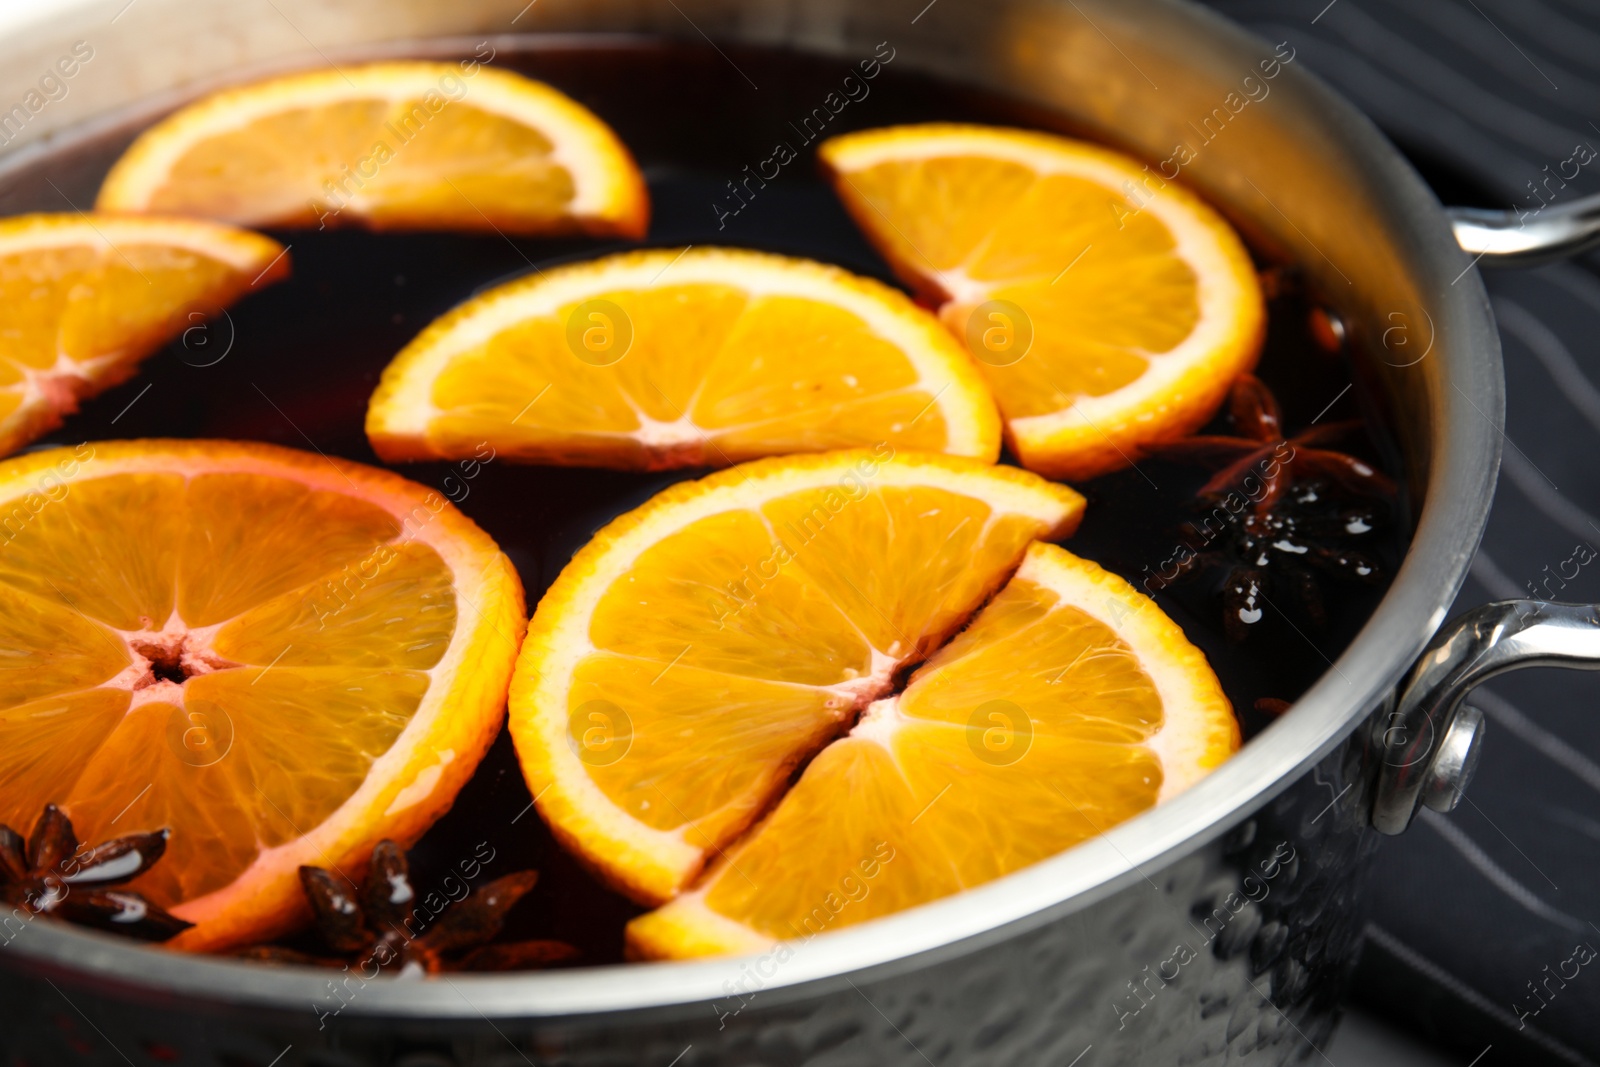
(295, 364)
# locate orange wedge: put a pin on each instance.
(703, 646)
(1108, 307)
(1070, 704)
(280, 657)
(392, 146)
(688, 357)
(86, 297)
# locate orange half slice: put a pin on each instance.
(395, 146)
(86, 297)
(703, 646)
(682, 357)
(282, 658)
(1108, 307)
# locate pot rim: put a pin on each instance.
(1465, 451)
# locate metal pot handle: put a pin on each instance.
(1523, 239)
(1430, 742)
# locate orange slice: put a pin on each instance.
(1108, 307)
(689, 357)
(1070, 704)
(86, 297)
(392, 146)
(283, 658)
(704, 645)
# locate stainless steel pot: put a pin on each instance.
(1219, 926)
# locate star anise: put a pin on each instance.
(51, 874)
(373, 925)
(1279, 508)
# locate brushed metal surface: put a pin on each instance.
(1237, 951)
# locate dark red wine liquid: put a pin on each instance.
(295, 364)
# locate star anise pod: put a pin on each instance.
(373, 925)
(1280, 509)
(51, 874)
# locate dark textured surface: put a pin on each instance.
(1493, 98)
